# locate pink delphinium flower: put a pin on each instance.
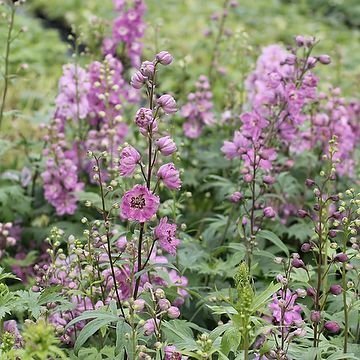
(144, 117)
(128, 29)
(72, 102)
(139, 204)
(137, 80)
(164, 58)
(171, 353)
(167, 103)
(150, 326)
(129, 158)
(198, 111)
(170, 176)
(166, 145)
(284, 308)
(166, 235)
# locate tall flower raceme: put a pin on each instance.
(89, 109)
(72, 99)
(127, 31)
(333, 117)
(281, 90)
(141, 203)
(60, 176)
(107, 96)
(198, 111)
(285, 313)
(335, 227)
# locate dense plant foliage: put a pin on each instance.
(156, 205)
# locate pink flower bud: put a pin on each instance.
(121, 243)
(170, 176)
(335, 289)
(164, 304)
(309, 182)
(341, 257)
(300, 40)
(324, 59)
(248, 178)
(306, 247)
(297, 263)
(147, 69)
(173, 312)
(139, 305)
(290, 59)
(269, 212)
(236, 197)
(302, 213)
(269, 180)
(311, 292)
(315, 316)
(164, 58)
(167, 103)
(311, 62)
(137, 80)
(143, 117)
(166, 145)
(332, 326)
(150, 326)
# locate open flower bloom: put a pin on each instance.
(166, 234)
(139, 204)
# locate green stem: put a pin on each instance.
(6, 70)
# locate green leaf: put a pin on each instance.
(261, 300)
(90, 329)
(180, 333)
(230, 341)
(268, 235)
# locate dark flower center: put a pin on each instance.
(137, 202)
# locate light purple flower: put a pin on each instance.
(165, 233)
(269, 212)
(170, 176)
(166, 145)
(284, 309)
(129, 158)
(164, 58)
(139, 204)
(150, 326)
(147, 68)
(144, 117)
(173, 312)
(167, 103)
(137, 80)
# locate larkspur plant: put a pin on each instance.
(220, 225)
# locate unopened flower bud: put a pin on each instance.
(324, 59)
(173, 312)
(315, 316)
(335, 289)
(341, 257)
(164, 58)
(297, 263)
(332, 326)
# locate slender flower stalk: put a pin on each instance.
(6, 75)
(107, 223)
